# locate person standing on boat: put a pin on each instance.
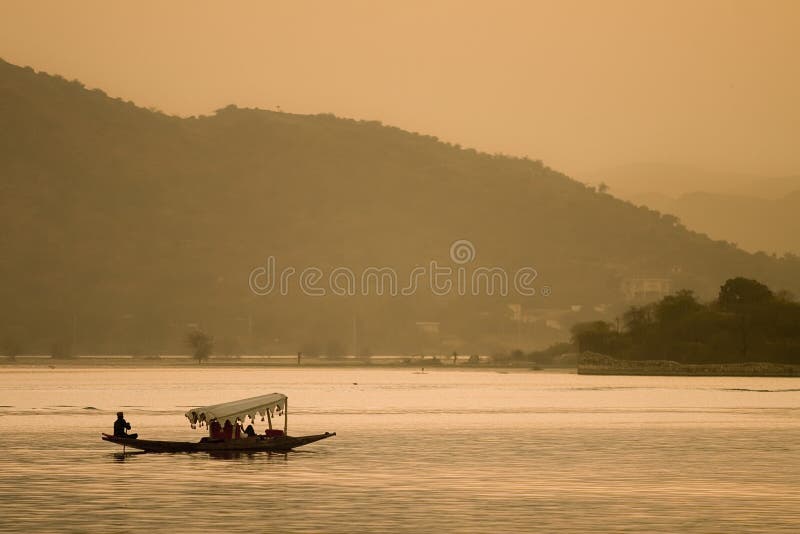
(121, 427)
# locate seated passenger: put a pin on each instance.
(215, 430)
(227, 430)
(250, 431)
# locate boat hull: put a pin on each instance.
(250, 444)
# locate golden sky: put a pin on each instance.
(582, 85)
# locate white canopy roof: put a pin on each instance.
(238, 409)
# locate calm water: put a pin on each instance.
(446, 451)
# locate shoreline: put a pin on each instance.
(46, 363)
(600, 364)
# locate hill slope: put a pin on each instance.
(123, 225)
(635, 179)
(752, 223)
(753, 212)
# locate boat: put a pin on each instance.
(231, 415)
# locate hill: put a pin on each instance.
(122, 226)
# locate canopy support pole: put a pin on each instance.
(286, 417)
(269, 419)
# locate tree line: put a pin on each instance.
(746, 322)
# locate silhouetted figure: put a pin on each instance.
(250, 431)
(121, 427)
(227, 430)
(215, 430)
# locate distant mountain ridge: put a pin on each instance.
(754, 212)
(755, 224)
(123, 227)
(673, 180)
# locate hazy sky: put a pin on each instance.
(580, 84)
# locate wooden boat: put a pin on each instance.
(230, 414)
(254, 444)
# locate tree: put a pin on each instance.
(201, 344)
(674, 308)
(738, 294)
(744, 297)
(596, 336)
(638, 320)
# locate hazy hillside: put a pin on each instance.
(627, 181)
(751, 222)
(753, 212)
(122, 225)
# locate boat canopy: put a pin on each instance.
(231, 411)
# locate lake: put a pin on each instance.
(444, 451)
